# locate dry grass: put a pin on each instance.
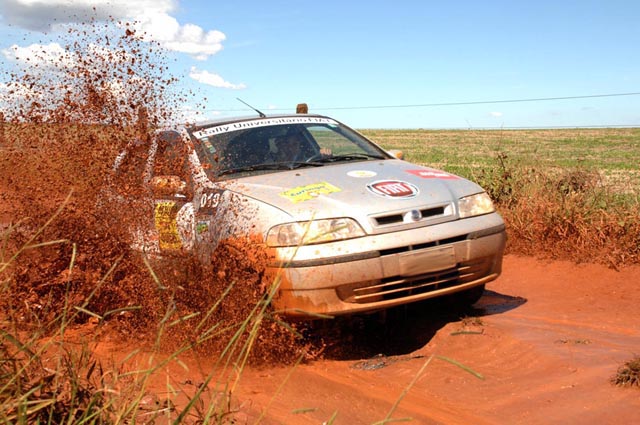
(566, 214)
(628, 375)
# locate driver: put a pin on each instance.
(290, 149)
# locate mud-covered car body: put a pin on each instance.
(349, 227)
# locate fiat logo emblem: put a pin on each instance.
(393, 189)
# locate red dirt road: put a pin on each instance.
(550, 335)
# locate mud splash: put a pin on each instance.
(65, 247)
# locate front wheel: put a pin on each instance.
(468, 297)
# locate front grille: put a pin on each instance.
(384, 220)
(397, 287)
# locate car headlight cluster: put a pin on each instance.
(313, 232)
(477, 204)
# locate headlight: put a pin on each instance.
(313, 232)
(477, 204)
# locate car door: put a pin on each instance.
(172, 193)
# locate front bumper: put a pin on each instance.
(382, 271)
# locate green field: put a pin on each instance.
(612, 152)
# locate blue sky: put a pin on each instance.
(388, 64)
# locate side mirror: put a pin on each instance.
(169, 186)
(396, 153)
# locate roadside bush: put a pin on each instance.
(563, 213)
(628, 375)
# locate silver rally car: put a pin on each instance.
(349, 227)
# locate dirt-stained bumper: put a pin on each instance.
(370, 280)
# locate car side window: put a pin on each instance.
(171, 156)
(341, 141)
(131, 164)
(169, 172)
(329, 139)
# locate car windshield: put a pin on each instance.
(270, 145)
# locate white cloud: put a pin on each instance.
(152, 16)
(496, 114)
(55, 57)
(43, 55)
(215, 80)
(189, 38)
(44, 15)
(15, 92)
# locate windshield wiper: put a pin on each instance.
(350, 157)
(300, 164)
(269, 166)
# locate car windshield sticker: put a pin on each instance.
(209, 146)
(165, 220)
(393, 189)
(225, 128)
(312, 191)
(202, 227)
(433, 174)
(362, 173)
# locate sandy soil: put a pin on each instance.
(546, 338)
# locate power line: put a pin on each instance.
(484, 102)
(533, 127)
(425, 105)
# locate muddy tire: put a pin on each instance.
(469, 297)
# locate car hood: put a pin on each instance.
(355, 189)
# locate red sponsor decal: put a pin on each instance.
(432, 174)
(393, 189)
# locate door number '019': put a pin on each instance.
(210, 200)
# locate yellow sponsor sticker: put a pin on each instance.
(165, 221)
(312, 191)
